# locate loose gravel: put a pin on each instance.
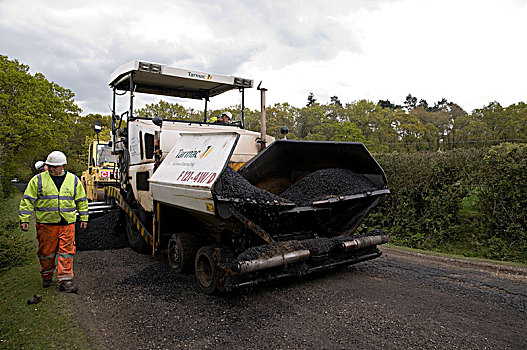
(326, 183)
(403, 300)
(234, 186)
(103, 232)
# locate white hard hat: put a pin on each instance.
(56, 158)
(228, 114)
(39, 165)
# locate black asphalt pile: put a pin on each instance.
(263, 208)
(268, 250)
(319, 246)
(234, 186)
(103, 232)
(326, 183)
(259, 206)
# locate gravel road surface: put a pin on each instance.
(402, 300)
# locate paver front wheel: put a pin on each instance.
(206, 269)
(182, 249)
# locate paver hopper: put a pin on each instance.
(304, 200)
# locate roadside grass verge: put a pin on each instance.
(457, 256)
(49, 324)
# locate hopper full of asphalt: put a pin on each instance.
(275, 213)
(259, 206)
(316, 186)
(327, 183)
(234, 186)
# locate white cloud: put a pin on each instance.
(467, 51)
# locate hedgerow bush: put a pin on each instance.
(466, 201)
(502, 202)
(15, 245)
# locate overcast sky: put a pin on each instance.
(471, 52)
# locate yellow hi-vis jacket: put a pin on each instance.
(50, 206)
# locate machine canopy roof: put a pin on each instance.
(159, 79)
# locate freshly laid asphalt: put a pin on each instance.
(402, 300)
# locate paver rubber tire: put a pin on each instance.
(207, 273)
(182, 249)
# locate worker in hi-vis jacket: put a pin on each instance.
(224, 118)
(55, 195)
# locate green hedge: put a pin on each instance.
(15, 245)
(5, 186)
(467, 201)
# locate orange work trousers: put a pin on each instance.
(56, 241)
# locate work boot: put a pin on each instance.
(47, 283)
(68, 287)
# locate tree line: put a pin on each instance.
(382, 126)
(37, 116)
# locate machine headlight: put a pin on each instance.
(149, 67)
(240, 82)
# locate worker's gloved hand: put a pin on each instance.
(83, 225)
(24, 226)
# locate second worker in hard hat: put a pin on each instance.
(224, 118)
(55, 195)
(41, 166)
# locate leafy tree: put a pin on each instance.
(311, 99)
(252, 119)
(518, 121)
(441, 105)
(491, 120)
(410, 131)
(282, 114)
(309, 118)
(335, 100)
(335, 112)
(410, 102)
(36, 117)
(387, 104)
(437, 125)
(167, 110)
(347, 131)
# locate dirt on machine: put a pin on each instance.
(236, 207)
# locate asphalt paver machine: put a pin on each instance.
(236, 207)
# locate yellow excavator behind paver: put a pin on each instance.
(101, 173)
